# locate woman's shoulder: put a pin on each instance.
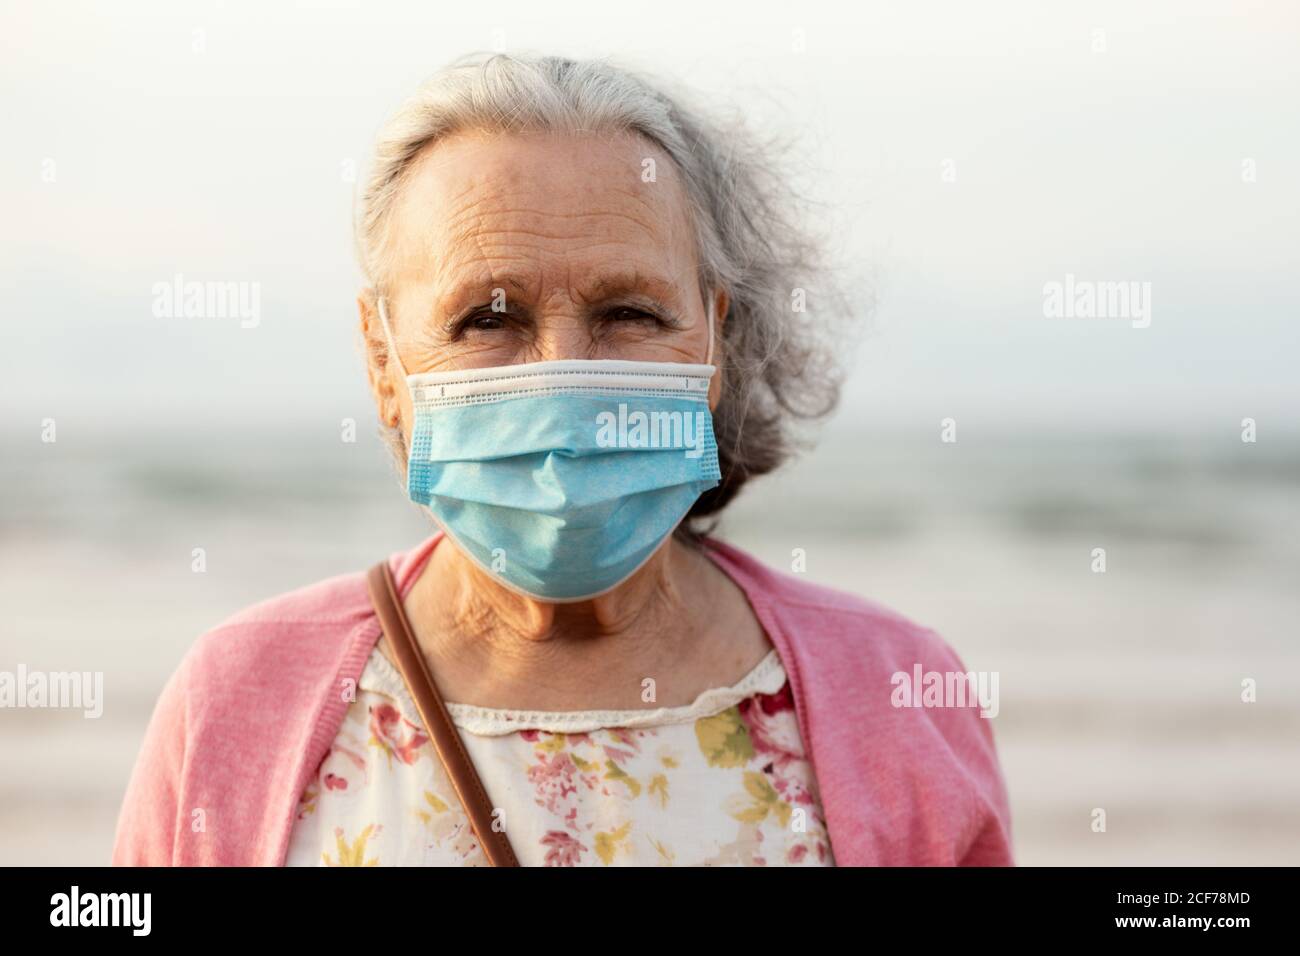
(282, 634)
(253, 702)
(341, 599)
(871, 685)
(835, 623)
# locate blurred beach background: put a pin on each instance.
(1118, 690)
(223, 142)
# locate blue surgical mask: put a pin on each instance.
(561, 479)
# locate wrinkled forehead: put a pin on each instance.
(543, 203)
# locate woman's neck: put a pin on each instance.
(678, 621)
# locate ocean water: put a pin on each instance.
(1118, 691)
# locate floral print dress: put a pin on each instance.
(723, 781)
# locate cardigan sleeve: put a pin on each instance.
(969, 739)
(150, 814)
(992, 845)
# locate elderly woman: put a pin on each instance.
(580, 337)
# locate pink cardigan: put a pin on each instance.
(252, 709)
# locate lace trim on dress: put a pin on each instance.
(767, 677)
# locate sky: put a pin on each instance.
(963, 156)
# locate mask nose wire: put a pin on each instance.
(393, 355)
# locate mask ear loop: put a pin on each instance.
(709, 358)
(393, 355)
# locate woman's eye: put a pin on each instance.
(485, 322)
(627, 313)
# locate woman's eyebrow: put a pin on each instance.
(477, 291)
(608, 285)
(611, 284)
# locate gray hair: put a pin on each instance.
(781, 365)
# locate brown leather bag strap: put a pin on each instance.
(441, 730)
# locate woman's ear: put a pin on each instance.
(378, 373)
